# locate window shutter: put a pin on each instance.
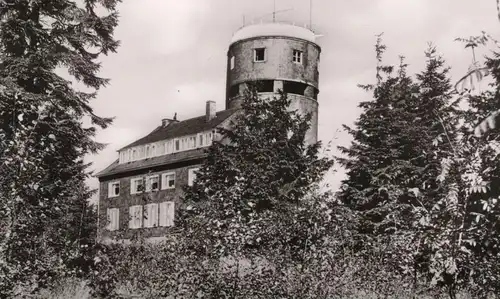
(146, 217)
(139, 216)
(109, 214)
(116, 219)
(154, 215)
(151, 215)
(113, 215)
(170, 213)
(131, 220)
(167, 213)
(135, 220)
(190, 177)
(163, 214)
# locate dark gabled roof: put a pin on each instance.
(183, 128)
(116, 168)
(178, 129)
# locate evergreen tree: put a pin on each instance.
(395, 159)
(261, 168)
(377, 162)
(43, 140)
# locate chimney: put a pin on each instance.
(210, 110)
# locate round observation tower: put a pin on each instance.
(272, 57)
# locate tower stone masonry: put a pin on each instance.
(272, 57)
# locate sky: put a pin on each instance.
(172, 57)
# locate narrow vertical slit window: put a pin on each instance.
(231, 63)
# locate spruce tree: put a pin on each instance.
(394, 162)
(43, 139)
(377, 160)
(250, 179)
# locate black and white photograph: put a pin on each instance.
(237, 149)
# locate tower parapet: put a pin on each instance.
(276, 56)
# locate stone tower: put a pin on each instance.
(276, 56)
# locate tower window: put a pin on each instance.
(297, 56)
(264, 85)
(234, 90)
(259, 54)
(231, 62)
(294, 87)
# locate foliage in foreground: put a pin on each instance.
(43, 195)
(420, 180)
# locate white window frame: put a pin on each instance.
(201, 140)
(152, 150)
(113, 217)
(142, 152)
(209, 138)
(166, 213)
(192, 142)
(297, 56)
(135, 217)
(255, 54)
(192, 175)
(151, 215)
(231, 62)
(164, 181)
(133, 189)
(169, 146)
(149, 184)
(110, 189)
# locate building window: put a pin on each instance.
(231, 62)
(113, 189)
(192, 142)
(259, 55)
(152, 183)
(177, 145)
(167, 213)
(134, 154)
(168, 180)
(136, 185)
(135, 217)
(200, 137)
(152, 149)
(113, 219)
(192, 175)
(151, 215)
(169, 147)
(297, 56)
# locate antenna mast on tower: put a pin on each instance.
(273, 13)
(310, 14)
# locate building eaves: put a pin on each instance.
(116, 168)
(183, 128)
